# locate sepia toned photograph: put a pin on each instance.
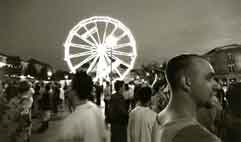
(120, 71)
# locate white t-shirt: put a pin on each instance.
(141, 121)
(85, 124)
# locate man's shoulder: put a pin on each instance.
(161, 117)
(195, 133)
(145, 110)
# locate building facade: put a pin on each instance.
(226, 61)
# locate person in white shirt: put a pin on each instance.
(141, 118)
(86, 123)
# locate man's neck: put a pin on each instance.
(144, 104)
(181, 106)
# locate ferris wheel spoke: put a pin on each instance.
(107, 59)
(121, 36)
(80, 54)
(121, 45)
(98, 35)
(114, 52)
(81, 46)
(119, 60)
(90, 32)
(117, 71)
(84, 38)
(104, 36)
(112, 32)
(113, 65)
(84, 61)
(102, 66)
(92, 64)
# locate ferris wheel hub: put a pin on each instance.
(101, 50)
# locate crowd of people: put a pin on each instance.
(195, 107)
(21, 101)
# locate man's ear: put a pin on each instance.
(186, 82)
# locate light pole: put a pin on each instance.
(111, 41)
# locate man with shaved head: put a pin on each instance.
(191, 81)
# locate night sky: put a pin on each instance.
(162, 28)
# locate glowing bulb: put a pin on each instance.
(66, 77)
(49, 73)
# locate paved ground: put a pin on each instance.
(48, 135)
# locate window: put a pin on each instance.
(230, 62)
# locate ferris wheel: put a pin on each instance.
(102, 46)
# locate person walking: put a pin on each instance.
(45, 107)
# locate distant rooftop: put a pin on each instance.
(1, 54)
(221, 48)
(29, 60)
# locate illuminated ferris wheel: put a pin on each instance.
(102, 46)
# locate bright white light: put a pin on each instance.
(22, 77)
(106, 46)
(49, 73)
(225, 88)
(2, 64)
(29, 76)
(66, 77)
